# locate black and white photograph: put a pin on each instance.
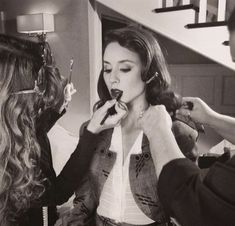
(117, 113)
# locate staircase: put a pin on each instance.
(183, 22)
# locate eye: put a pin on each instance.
(107, 70)
(125, 70)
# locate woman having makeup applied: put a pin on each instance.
(121, 185)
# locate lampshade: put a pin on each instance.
(35, 23)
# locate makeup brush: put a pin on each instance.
(70, 70)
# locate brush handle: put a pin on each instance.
(111, 110)
(108, 113)
(104, 119)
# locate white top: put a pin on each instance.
(116, 200)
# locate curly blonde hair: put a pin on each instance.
(20, 177)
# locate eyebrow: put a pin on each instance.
(122, 61)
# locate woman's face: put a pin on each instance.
(122, 70)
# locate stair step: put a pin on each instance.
(176, 8)
(207, 24)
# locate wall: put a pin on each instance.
(68, 40)
(213, 84)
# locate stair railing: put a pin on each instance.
(201, 8)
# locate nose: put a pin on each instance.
(114, 77)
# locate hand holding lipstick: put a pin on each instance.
(111, 121)
(116, 94)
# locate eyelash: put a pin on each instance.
(107, 71)
(125, 70)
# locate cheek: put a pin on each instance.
(137, 83)
(107, 81)
(132, 88)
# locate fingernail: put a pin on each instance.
(120, 105)
(112, 101)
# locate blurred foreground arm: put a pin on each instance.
(182, 191)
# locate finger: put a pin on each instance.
(68, 99)
(66, 89)
(121, 110)
(107, 105)
(114, 120)
(190, 99)
(71, 87)
(119, 107)
(73, 91)
(122, 113)
(183, 111)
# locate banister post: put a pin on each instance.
(202, 11)
(221, 10)
(185, 2)
(169, 3)
(159, 4)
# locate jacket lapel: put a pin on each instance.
(143, 182)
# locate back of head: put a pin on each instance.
(21, 67)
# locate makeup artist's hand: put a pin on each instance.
(155, 120)
(200, 111)
(69, 90)
(94, 125)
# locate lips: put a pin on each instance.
(116, 94)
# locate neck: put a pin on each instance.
(135, 107)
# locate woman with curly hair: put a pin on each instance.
(121, 185)
(31, 98)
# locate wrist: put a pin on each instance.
(91, 128)
(212, 119)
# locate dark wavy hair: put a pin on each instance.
(21, 64)
(144, 43)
